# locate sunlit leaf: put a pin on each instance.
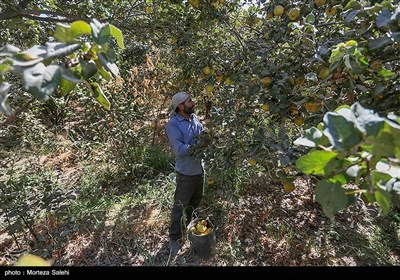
(341, 133)
(8, 50)
(41, 81)
(79, 28)
(310, 138)
(386, 74)
(116, 33)
(383, 199)
(366, 120)
(99, 96)
(109, 66)
(66, 86)
(315, 162)
(4, 105)
(60, 49)
(62, 33)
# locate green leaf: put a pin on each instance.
(353, 170)
(60, 50)
(396, 36)
(384, 18)
(109, 66)
(315, 162)
(377, 43)
(366, 120)
(341, 133)
(9, 50)
(116, 33)
(69, 75)
(99, 95)
(105, 74)
(331, 196)
(41, 81)
(88, 68)
(310, 18)
(382, 145)
(351, 16)
(379, 177)
(62, 33)
(310, 138)
(393, 128)
(4, 105)
(352, 4)
(386, 74)
(341, 178)
(346, 59)
(79, 28)
(66, 86)
(383, 199)
(389, 168)
(4, 68)
(96, 28)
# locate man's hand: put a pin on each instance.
(203, 141)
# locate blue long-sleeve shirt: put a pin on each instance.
(181, 133)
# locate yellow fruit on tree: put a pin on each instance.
(266, 81)
(194, 3)
(299, 121)
(294, 14)
(215, 4)
(323, 73)
(228, 81)
(209, 88)
(312, 107)
(288, 186)
(203, 222)
(207, 70)
(148, 10)
(265, 107)
(330, 11)
(252, 162)
(278, 10)
(320, 3)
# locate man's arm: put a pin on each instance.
(175, 138)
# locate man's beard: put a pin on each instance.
(189, 110)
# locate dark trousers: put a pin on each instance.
(187, 197)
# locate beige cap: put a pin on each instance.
(178, 98)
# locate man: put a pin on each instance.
(182, 131)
